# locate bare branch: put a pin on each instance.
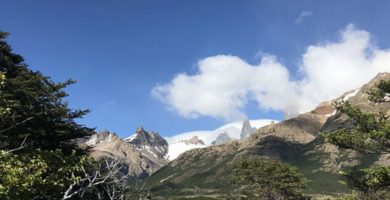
(15, 125)
(109, 177)
(20, 147)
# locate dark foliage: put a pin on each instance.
(32, 106)
(268, 179)
(371, 135)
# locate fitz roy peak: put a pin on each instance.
(247, 130)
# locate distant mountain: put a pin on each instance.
(233, 130)
(149, 144)
(181, 146)
(143, 153)
(194, 140)
(206, 172)
(247, 130)
(222, 138)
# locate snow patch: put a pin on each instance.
(233, 129)
(97, 139)
(351, 94)
(131, 138)
(109, 137)
(331, 114)
(174, 150)
(92, 141)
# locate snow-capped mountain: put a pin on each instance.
(143, 153)
(233, 130)
(194, 140)
(175, 149)
(149, 144)
(222, 138)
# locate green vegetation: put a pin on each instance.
(203, 177)
(39, 158)
(39, 174)
(268, 179)
(33, 107)
(381, 91)
(371, 135)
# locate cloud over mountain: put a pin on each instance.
(224, 84)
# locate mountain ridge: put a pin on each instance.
(297, 141)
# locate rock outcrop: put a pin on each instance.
(247, 130)
(143, 153)
(150, 145)
(222, 138)
(194, 140)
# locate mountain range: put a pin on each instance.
(206, 173)
(199, 164)
(144, 152)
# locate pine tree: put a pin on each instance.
(268, 179)
(39, 158)
(32, 106)
(371, 135)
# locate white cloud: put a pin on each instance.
(302, 16)
(224, 84)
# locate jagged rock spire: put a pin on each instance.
(222, 138)
(140, 129)
(247, 129)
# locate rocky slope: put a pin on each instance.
(143, 153)
(207, 171)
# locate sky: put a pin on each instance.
(177, 66)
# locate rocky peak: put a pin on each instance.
(194, 140)
(143, 153)
(222, 138)
(149, 144)
(156, 139)
(144, 138)
(140, 129)
(246, 130)
(101, 137)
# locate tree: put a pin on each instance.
(39, 158)
(37, 177)
(39, 174)
(33, 106)
(268, 179)
(370, 135)
(109, 182)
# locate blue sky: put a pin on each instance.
(118, 51)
